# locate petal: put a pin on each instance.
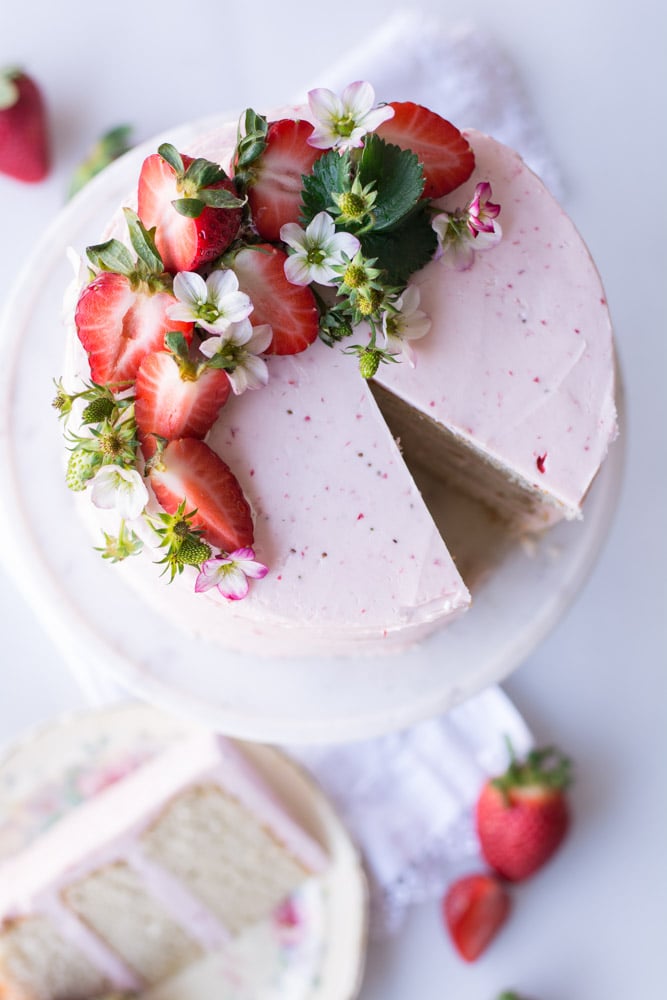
(321, 229)
(377, 116)
(324, 104)
(240, 333)
(209, 575)
(417, 327)
(219, 285)
(261, 338)
(358, 99)
(409, 301)
(255, 570)
(235, 306)
(323, 137)
(485, 241)
(238, 380)
(234, 584)
(255, 371)
(293, 235)
(211, 346)
(297, 270)
(190, 288)
(103, 492)
(182, 311)
(345, 243)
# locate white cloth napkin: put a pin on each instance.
(408, 797)
(459, 71)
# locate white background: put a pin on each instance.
(592, 924)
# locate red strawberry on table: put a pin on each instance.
(121, 316)
(523, 815)
(188, 470)
(193, 206)
(445, 154)
(474, 908)
(276, 179)
(24, 141)
(290, 309)
(176, 398)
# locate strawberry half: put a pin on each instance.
(119, 325)
(290, 309)
(176, 399)
(523, 815)
(24, 140)
(188, 470)
(192, 204)
(274, 190)
(474, 909)
(445, 154)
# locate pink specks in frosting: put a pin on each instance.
(360, 517)
(541, 463)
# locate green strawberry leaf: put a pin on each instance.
(201, 173)
(191, 208)
(108, 148)
(251, 144)
(220, 198)
(172, 156)
(111, 256)
(143, 241)
(405, 248)
(176, 343)
(331, 174)
(398, 178)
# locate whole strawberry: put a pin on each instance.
(523, 815)
(24, 142)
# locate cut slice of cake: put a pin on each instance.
(148, 876)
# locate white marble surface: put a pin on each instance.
(591, 925)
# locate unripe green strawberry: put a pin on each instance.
(81, 468)
(97, 410)
(369, 362)
(193, 552)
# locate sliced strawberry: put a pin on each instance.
(189, 470)
(474, 908)
(443, 151)
(118, 326)
(290, 309)
(183, 242)
(24, 140)
(175, 401)
(275, 191)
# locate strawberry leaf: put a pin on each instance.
(252, 143)
(220, 198)
(405, 248)
(176, 343)
(331, 175)
(191, 208)
(111, 256)
(201, 173)
(143, 241)
(398, 179)
(172, 157)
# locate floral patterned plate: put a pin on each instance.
(313, 946)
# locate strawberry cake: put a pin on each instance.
(294, 323)
(154, 873)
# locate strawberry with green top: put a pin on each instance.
(474, 909)
(188, 472)
(523, 815)
(121, 315)
(24, 140)
(445, 154)
(193, 206)
(176, 396)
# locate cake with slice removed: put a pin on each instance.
(511, 398)
(148, 875)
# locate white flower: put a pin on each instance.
(408, 323)
(317, 251)
(342, 122)
(239, 346)
(230, 574)
(213, 304)
(121, 489)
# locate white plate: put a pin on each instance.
(319, 957)
(95, 619)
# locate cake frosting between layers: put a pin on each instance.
(517, 373)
